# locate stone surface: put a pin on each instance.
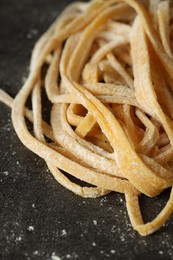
(39, 219)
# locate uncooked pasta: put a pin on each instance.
(106, 69)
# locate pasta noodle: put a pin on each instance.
(106, 68)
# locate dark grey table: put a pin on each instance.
(40, 219)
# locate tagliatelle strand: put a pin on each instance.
(105, 68)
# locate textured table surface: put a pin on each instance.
(39, 219)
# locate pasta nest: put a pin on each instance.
(105, 68)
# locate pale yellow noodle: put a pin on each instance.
(109, 83)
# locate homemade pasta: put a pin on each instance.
(106, 68)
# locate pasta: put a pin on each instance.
(106, 69)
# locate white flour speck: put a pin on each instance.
(31, 33)
(122, 239)
(29, 36)
(35, 252)
(18, 238)
(63, 233)
(30, 228)
(34, 31)
(54, 257)
(95, 222)
(6, 173)
(160, 252)
(24, 79)
(114, 229)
